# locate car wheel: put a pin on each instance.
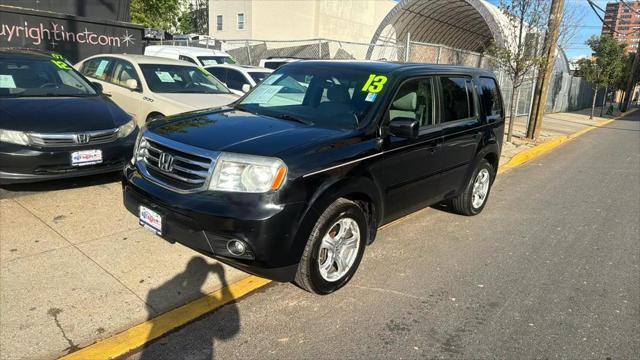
(334, 248)
(476, 193)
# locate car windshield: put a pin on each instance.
(324, 97)
(181, 79)
(213, 60)
(258, 76)
(20, 77)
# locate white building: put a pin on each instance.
(348, 20)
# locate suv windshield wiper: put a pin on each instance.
(293, 118)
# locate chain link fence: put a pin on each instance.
(567, 92)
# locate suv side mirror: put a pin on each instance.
(132, 84)
(404, 127)
(97, 87)
(246, 88)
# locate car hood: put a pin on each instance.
(199, 101)
(238, 131)
(60, 114)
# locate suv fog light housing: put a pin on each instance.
(236, 247)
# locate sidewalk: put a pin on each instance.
(75, 267)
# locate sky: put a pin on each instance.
(588, 26)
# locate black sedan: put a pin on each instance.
(54, 123)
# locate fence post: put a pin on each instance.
(439, 52)
(407, 50)
(534, 81)
(246, 43)
(319, 48)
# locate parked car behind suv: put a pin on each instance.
(54, 123)
(239, 78)
(149, 87)
(292, 182)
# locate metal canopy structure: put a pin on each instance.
(461, 24)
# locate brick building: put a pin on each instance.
(624, 18)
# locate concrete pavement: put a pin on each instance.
(76, 268)
(551, 269)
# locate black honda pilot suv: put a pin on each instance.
(292, 181)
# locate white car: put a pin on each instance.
(239, 78)
(195, 55)
(273, 63)
(150, 87)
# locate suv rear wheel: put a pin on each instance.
(474, 197)
(334, 248)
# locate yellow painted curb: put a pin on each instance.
(137, 336)
(536, 151)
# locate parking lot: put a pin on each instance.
(77, 267)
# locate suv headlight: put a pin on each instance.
(248, 173)
(126, 129)
(136, 147)
(14, 137)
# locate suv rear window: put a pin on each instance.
(491, 99)
(457, 98)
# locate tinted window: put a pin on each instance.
(414, 100)
(274, 64)
(219, 73)
(40, 77)
(99, 68)
(186, 58)
(181, 79)
(457, 98)
(491, 99)
(235, 79)
(124, 71)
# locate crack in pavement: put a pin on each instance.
(54, 312)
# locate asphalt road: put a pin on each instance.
(549, 270)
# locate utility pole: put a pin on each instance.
(628, 94)
(546, 69)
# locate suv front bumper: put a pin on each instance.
(206, 221)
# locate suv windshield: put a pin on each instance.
(325, 97)
(20, 77)
(213, 60)
(181, 79)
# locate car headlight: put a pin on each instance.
(14, 137)
(136, 148)
(248, 173)
(126, 129)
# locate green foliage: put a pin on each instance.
(607, 65)
(157, 14)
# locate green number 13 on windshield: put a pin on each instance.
(375, 83)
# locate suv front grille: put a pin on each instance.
(74, 139)
(177, 169)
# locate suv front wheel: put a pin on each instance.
(476, 192)
(334, 248)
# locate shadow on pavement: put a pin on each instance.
(13, 190)
(191, 281)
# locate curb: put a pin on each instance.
(136, 337)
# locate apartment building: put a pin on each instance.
(622, 21)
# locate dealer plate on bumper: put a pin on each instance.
(86, 157)
(150, 220)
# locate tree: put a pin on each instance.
(605, 67)
(519, 55)
(157, 14)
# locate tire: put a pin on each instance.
(464, 203)
(341, 214)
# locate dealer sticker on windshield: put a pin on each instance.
(375, 83)
(86, 157)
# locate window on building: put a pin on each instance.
(219, 22)
(240, 21)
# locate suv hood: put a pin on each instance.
(238, 131)
(198, 101)
(60, 114)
